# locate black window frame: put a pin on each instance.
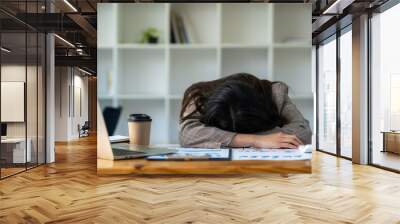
(333, 37)
(30, 29)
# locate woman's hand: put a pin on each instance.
(272, 141)
(276, 141)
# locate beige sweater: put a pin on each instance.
(193, 133)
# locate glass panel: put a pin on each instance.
(23, 91)
(346, 94)
(13, 86)
(41, 99)
(385, 84)
(32, 88)
(327, 96)
(31, 98)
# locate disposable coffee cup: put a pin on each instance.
(139, 129)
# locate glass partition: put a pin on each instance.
(327, 96)
(14, 153)
(346, 93)
(32, 96)
(22, 98)
(41, 97)
(385, 89)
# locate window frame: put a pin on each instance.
(381, 9)
(27, 29)
(334, 37)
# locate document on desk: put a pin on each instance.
(194, 154)
(303, 153)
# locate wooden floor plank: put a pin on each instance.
(69, 191)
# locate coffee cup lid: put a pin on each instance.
(139, 117)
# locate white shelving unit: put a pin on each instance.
(272, 41)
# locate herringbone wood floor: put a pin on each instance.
(69, 191)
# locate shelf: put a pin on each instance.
(141, 46)
(188, 67)
(253, 61)
(141, 72)
(245, 23)
(134, 19)
(105, 47)
(213, 46)
(199, 20)
(293, 45)
(292, 22)
(106, 25)
(193, 46)
(245, 46)
(175, 97)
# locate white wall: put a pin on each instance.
(16, 73)
(33, 126)
(71, 94)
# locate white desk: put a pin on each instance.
(19, 155)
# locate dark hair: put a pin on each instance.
(239, 103)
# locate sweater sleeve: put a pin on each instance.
(295, 122)
(193, 133)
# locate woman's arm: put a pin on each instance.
(193, 133)
(296, 123)
(274, 141)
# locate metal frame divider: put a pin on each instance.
(37, 96)
(338, 79)
(338, 98)
(387, 5)
(0, 95)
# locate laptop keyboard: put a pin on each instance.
(121, 152)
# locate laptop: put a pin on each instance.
(118, 151)
(129, 151)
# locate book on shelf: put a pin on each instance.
(181, 31)
(174, 29)
(172, 36)
(188, 28)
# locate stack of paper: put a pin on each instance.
(211, 153)
(303, 153)
(194, 154)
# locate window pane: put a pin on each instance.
(15, 150)
(327, 97)
(346, 94)
(31, 99)
(385, 86)
(41, 98)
